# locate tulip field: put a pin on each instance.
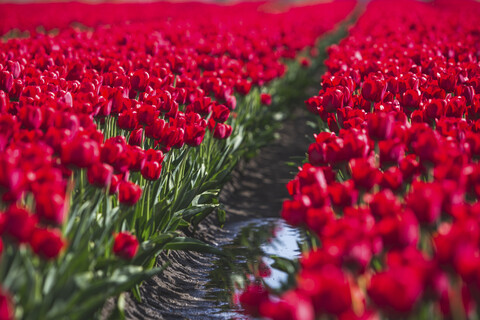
(119, 130)
(121, 122)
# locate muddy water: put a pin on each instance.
(247, 255)
(285, 245)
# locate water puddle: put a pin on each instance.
(248, 256)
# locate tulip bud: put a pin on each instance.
(139, 80)
(252, 298)
(425, 201)
(125, 245)
(81, 152)
(380, 125)
(100, 174)
(19, 224)
(373, 89)
(151, 170)
(136, 137)
(146, 114)
(194, 135)
(222, 131)
(47, 243)
(220, 113)
(332, 100)
(129, 193)
(50, 206)
(7, 310)
(266, 99)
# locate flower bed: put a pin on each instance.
(390, 192)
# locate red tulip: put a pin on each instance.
(391, 152)
(194, 135)
(137, 158)
(328, 288)
(50, 206)
(265, 99)
(316, 154)
(47, 243)
(220, 113)
(332, 100)
(391, 293)
(139, 80)
(294, 305)
(425, 201)
(448, 82)
(146, 114)
(7, 310)
(6, 81)
(318, 218)
(81, 152)
(154, 155)
(155, 130)
(100, 175)
(314, 103)
(435, 108)
(151, 170)
(399, 231)
(411, 99)
(392, 179)
(31, 117)
(373, 88)
(136, 137)
(125, 245)
(129, 193)
(252, 298)
(127, 120)
(222, 131)
(19, 224)
(114, 152)
(380, 125)
(364, 173)
(384, 204)
(343, 194)
(294, 211)
(11, 177)
(114, 184)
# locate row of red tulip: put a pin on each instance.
(390, 191)
(110, 103)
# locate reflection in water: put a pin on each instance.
(249, 257)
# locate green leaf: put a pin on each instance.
(190, 244)
(221, 215)
(152, 248)
(201, 216)
(192, 211)
(283, 264)
(49, 280)
(136, 293)
(92, 290)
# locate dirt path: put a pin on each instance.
(256, 190)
